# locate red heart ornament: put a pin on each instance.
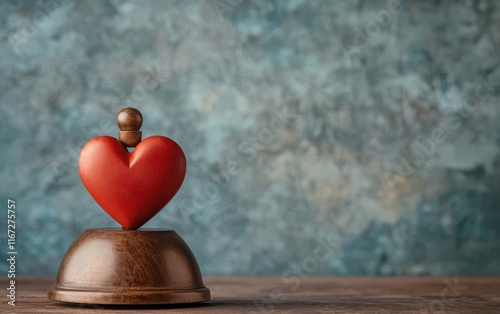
(132, 187)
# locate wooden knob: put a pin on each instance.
(129, 121)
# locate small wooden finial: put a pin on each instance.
(129, 121)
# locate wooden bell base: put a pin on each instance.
(129, 267)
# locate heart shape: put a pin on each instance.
(132, 187)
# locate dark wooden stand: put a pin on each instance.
(107, 266)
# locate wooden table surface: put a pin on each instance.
(305, 295)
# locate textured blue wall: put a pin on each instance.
(322, 137)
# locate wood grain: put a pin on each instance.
(311, 295)
(113, 266)
(129, 121)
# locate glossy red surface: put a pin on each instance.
(132, 187)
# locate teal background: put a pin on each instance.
(322, 137)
